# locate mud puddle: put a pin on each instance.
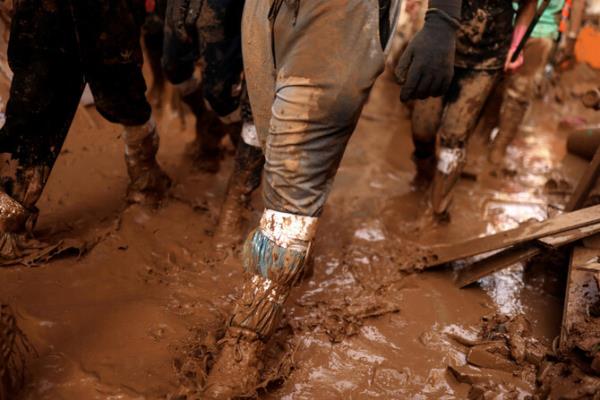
(121, 322)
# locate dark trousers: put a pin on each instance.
(55, 48)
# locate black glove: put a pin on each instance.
(427, 65)
(180, 46)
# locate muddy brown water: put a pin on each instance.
(110, 324)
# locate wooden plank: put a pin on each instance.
(519, 253)
(515, 254)
(526, 251)
(497, 262)
(576, 304)
(561, 223)
(578, 329)
(559, 240)
(585, 184)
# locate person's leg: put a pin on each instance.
(205, 149)
(426, 118)
(219, 38)
(110, 47)
(518, 95)
(153, 37)
(244, 180)
(44, 94)
(465, 99)
(219, 35)
(304, 130)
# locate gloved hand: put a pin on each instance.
(180, 46)
(427, 65)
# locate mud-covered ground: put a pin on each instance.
(121, 322)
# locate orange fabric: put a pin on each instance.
(564, 18)
(587, 47)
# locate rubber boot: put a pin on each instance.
(245, 178)
(449, 167)
(148, 182)
(511, 117)
(272, 270)
(205, 151)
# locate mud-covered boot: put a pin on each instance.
(13, 221)
(274, 258)
(18, 213)
(205, 151)
(237, 370)
(449, 167)
(148, 182)
(511, 116)
(245, 178)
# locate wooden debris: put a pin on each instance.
(559, 240)
(497, 262)
(586, 183)
(524, 233)
(529, 248)
(580, 326)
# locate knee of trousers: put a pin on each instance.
(309, 129)
(520, 89)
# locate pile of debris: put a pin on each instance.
(572, 369)
(506, 361)
(503, 361)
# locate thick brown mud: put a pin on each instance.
(141, 314)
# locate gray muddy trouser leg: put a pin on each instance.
(306, 107)
(310, 66)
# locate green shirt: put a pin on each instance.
(547, 25)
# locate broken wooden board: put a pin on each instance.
(527, 232)
(525, 251)
(520, 253)
(559, 240)
(497, 262)
(585, 184)
(580, 328)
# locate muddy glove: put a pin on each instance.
(180, 48)
(427, 65)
